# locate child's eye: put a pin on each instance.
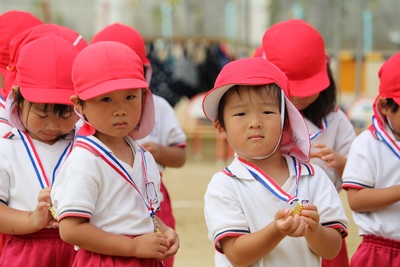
(106, 99)
(240, 114)
(67, 115)
(268, 112)
(130, 97)
(42, 116)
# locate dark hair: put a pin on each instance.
(262, 90)
(324, 104)
(59, 109)
(392, 105)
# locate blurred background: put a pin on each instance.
(188, 41)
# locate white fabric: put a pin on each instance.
(88, 187)
(239, 205)
(371, 164)
(167, 130)
(338, 136)
(19, 185)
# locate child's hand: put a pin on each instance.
(151, 245)
(294, 226)
(41, 216)
(311, 216)
(153, 148)
(331, 157)
(173, 240)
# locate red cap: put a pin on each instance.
(43, 79)
(259, 71)
(124, 34)
(298, 50)
(35, 33)
(108, 66)
(389, 77)
(44, 70)
(12, 23)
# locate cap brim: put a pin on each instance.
(47, 95)
(311, 85)
(112, 85)
(211, 101)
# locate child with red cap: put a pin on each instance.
(25, 37)
(108, 190)
(43, 117)
(269, 207)
(12, 23)
(167, 141)
(372, 176)
(298, 50)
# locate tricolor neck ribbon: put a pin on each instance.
(324, 124)
(269, 183)
(100, 150)
(381, 134)
(2, 102)
(37, 163)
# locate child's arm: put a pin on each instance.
(241, 250)
(168, 156)
(372, 199)
(78, 231)
(18, 222)
(323, 241)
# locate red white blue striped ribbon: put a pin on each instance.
(269, 183)
(2, 102)
(37, 163)
(95, 147)
(380, 133)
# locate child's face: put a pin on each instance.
(393, 117)
(114, 114)
(44, 125)
(252, 123)
(301, 103)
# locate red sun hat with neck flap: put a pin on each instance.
(35, 33)
(129, 36)
(43, 79)
(257, 71)
(108, 66)
(298, 50)
(389, 78)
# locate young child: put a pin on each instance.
(372, 176)
(167, 141)
(268, 207)
(32, 153)
(298, 50)
(107, 192)
(25, 37)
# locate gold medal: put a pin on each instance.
(296, 209)
(53, 213)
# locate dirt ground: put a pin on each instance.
(187, 186)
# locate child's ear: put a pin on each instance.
(382, 106)
(77, 105)
(14, 91)
(219, 130)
